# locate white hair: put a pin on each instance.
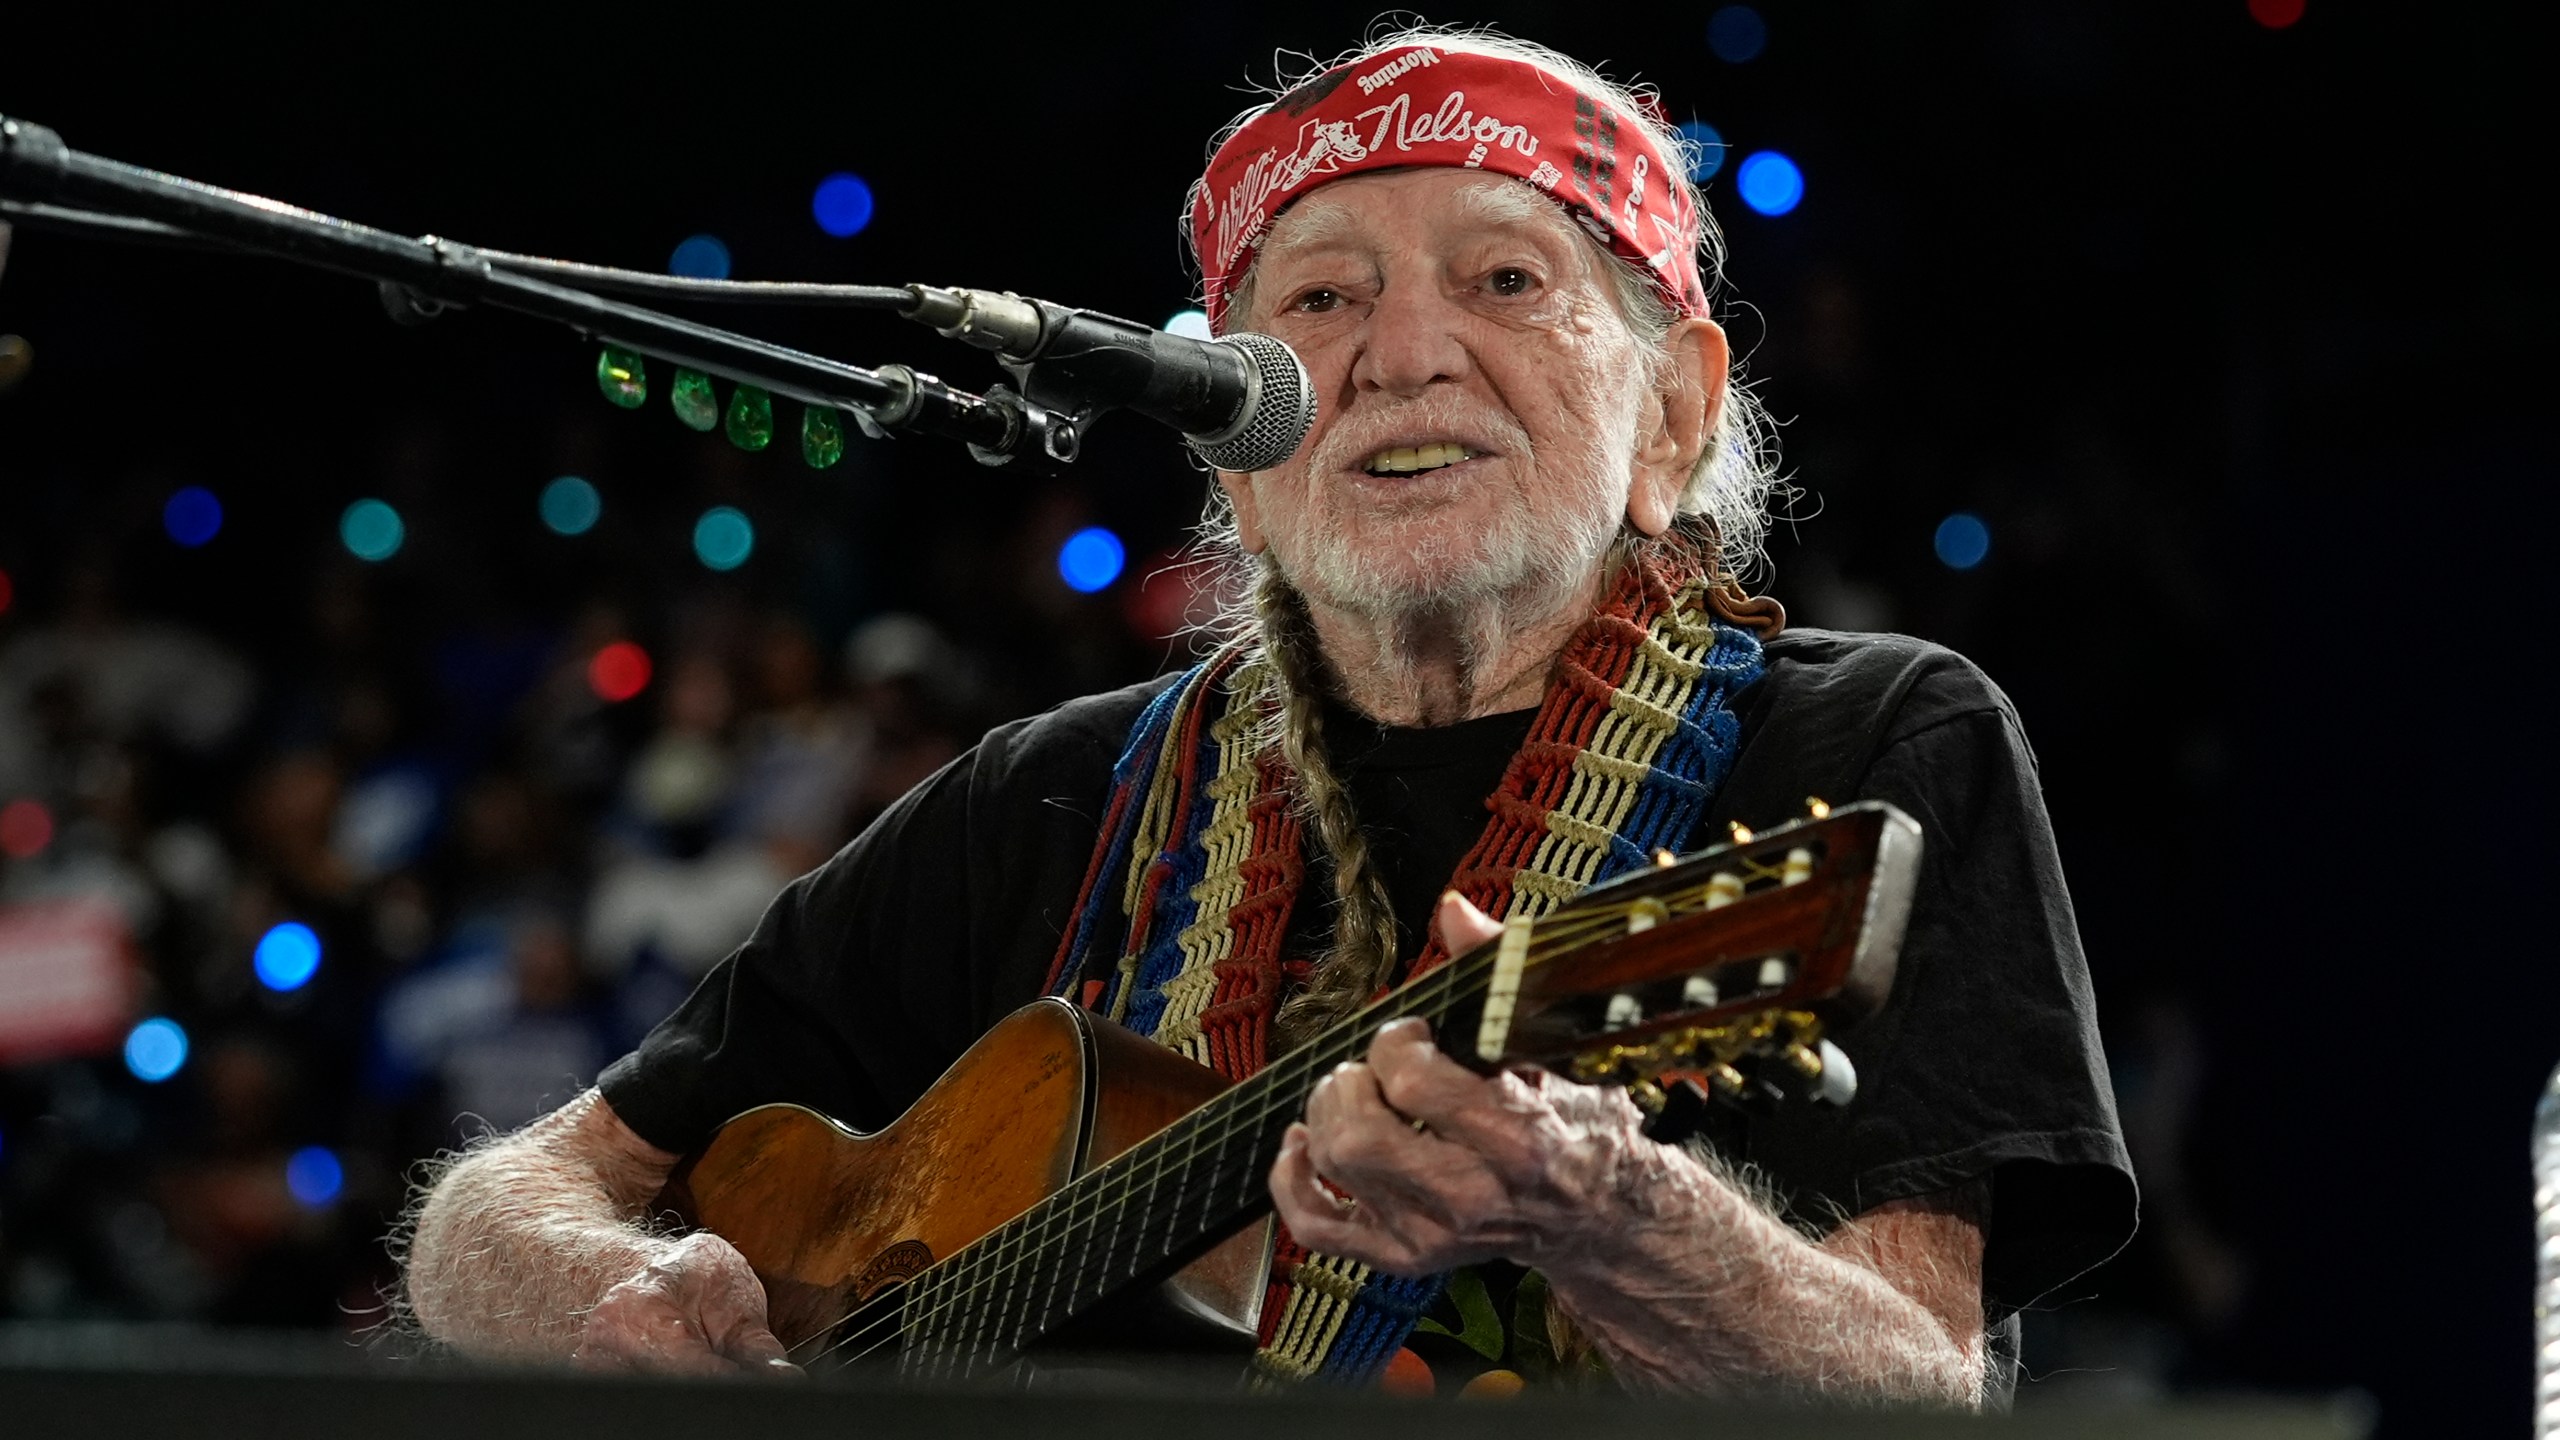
(1737, 472)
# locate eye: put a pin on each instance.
(1317, 301)
(1510, 280)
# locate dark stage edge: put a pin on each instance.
(91, 1385)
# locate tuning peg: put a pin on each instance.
(1723, 888)
(1699, 993)
(1838, 1082)
(1645, 913)
(1624, 1010)
(1774, 973)
(1817, 807)
(1798, 869)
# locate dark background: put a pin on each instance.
(2227, 332)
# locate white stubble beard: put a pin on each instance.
(1434, 592)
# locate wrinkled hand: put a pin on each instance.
(1411, 1163)
(697, 1309)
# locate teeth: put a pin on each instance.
(1409, 459)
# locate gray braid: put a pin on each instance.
(1364, 923)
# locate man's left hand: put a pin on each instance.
(1412, 1164)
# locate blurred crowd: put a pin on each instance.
(514, 855)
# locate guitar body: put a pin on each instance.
(1120, 1190)
(831, 1219)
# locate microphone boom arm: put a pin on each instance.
(45, 183)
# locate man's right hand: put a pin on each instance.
(696, 1309)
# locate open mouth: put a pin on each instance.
(1417, 459)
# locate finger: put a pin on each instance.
(1460, 925)
(1347, 1091)
(1323, 1222)
(752, 1347)
(1418, 1082)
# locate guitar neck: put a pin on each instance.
(1156, 1205)
(1708, 963)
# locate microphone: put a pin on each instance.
(1243, 401)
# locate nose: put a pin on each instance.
(1410, 341)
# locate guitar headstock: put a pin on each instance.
(1723, 968)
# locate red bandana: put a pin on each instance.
(1426, 105)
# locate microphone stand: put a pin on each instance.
(44, 183)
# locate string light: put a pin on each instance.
(372, 531)
(1962, 541)
(192, 516)
(700, 257)
(1737, 34)
(155, 1049)
(1711, 148)
(618, 671)
(1091, 559)
(1770, 182)
(723, 538)
(571, 506)
(314, 1175)
(288, 955)
(842, 204)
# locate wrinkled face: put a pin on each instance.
(1483, 411)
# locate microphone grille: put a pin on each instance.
(1279, 408)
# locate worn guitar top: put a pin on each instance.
(868, 976)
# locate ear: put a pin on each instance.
(1680, 422)
(1239, 488)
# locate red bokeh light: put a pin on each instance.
(2275, 14)
(618, 672)
(8, 592)
(25, 828)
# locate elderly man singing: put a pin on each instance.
(1529, 488)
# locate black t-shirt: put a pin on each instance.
(871, 974)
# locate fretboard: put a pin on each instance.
(1155, 1206)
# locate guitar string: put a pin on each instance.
(1157, 1157)
(984, 1266)
(968, 1285)
(969, 1263)
(1170, 1158)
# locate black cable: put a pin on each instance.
(608, 280)
(600, 279)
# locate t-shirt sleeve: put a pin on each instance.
(1985, 1062)
(868, 976)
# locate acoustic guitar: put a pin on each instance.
(1067, 1180)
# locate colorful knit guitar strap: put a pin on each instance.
(1179, 929)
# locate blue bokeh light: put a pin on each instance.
(287, 957)
(155, 1049)
(1963, 540)
(1770, 182)
(842, 204)
(1711, 148)
(700, 257)
(1091, 559)
(724, 537)
(1194, 323)
(314, 1175)
(571, 506)
(1737, 34)
(372, 530)
(192, 516)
